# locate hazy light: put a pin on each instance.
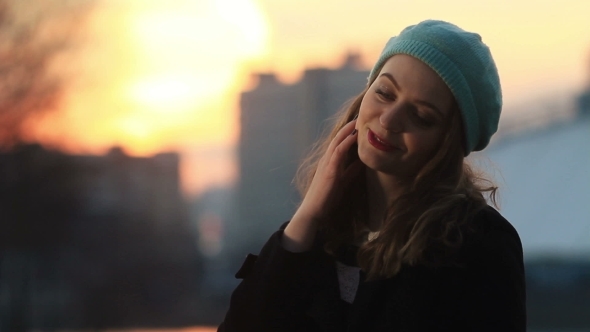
(192, 50)
(166, 73)
(162, 92)
(157, 74)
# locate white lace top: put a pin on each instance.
(348, 279)
(349, 276)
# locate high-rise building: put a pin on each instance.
(80, 235)
(279, 124)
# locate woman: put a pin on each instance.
(394, 232)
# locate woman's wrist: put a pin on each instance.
(299, 234)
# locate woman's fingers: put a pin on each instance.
(341, 152)
(330, 176)
(341, 136)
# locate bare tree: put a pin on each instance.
(32, 34)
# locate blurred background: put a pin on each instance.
(146, 146)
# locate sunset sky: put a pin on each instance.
(156, 75)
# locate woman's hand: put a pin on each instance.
(333, 175)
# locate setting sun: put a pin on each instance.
(160, 75)
(169, 94)
(191, 51)
(156, 75)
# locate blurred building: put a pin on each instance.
(544, 176)
(93, 241)
(279, 124)
(543, 171)
(584, 102)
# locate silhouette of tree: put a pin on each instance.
(32, 34)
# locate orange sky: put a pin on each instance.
(163, 74)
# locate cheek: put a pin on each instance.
(424, 144)
(367, 107)
(362, 110)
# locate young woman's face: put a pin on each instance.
(403, 117)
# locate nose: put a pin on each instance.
(392, 118)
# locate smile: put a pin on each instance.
(379, 143)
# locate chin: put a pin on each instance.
(378, 164)
(395, 168)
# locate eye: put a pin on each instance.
(422, 119)
(384, 93)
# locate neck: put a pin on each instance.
(382, 190)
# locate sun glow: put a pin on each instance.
(169, 93)
(158, 74)
(165, 74)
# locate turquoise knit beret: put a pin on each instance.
(465, 64)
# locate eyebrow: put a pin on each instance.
(419, 102)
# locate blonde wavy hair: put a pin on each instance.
(425, 225)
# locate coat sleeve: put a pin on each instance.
(276, 289)
(497, 293)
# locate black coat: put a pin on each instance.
(285, 291)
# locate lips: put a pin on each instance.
(379, 143)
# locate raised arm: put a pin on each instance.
(278, 285)
(332, 176)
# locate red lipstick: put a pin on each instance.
(379, 143)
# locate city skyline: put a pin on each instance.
(166, 75)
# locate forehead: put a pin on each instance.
(417, 79)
